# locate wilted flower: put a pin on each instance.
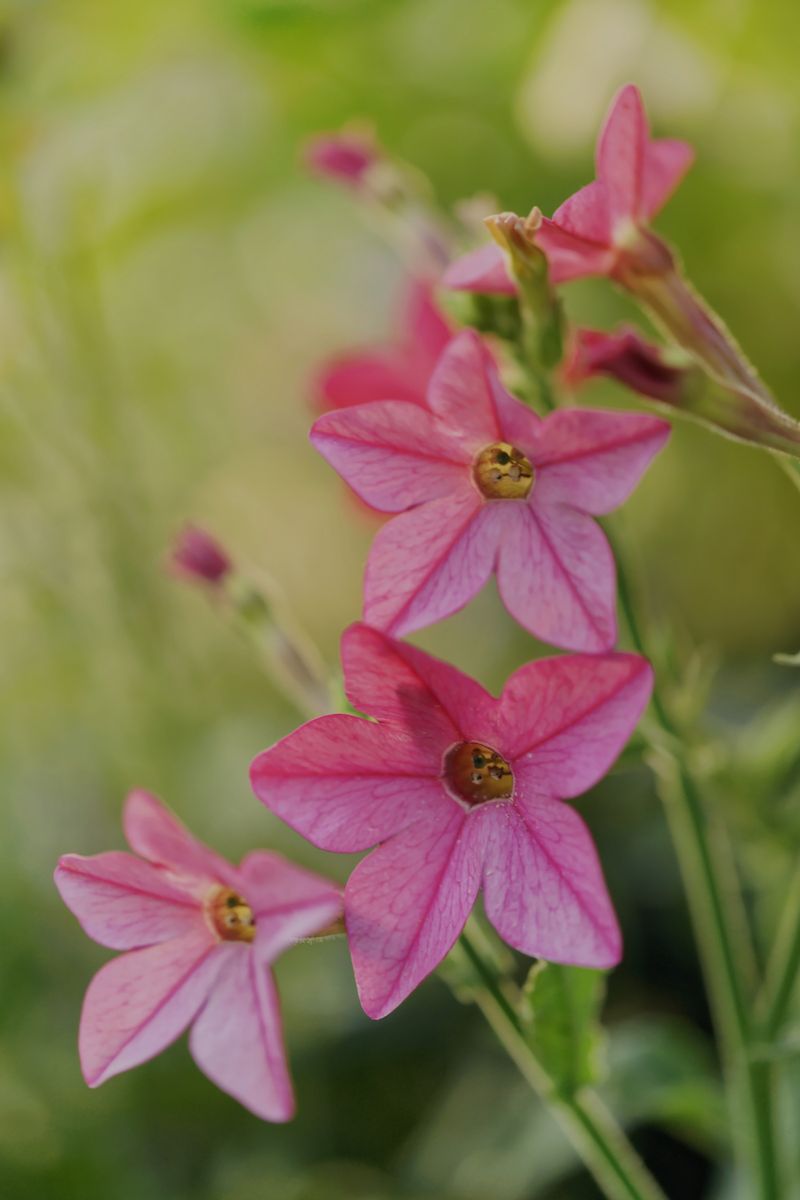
(201, 936)
(460, 792)
(482, 484)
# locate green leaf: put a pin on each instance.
(561, 1010)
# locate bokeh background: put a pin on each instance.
(169, 281)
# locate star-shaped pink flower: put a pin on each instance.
(482, 484)
(200, 935)
(602, 228)
(459, 791)
(399, 371)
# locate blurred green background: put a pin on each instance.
(169, 281)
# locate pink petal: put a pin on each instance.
(141, 1001)
(543, 886)
(405, 905)
(426, 330)
(346, 783)
(393, 681)
(481, 270)
(666, 161)
(393, 455)
(153, 832)
(620, 155)
(363, 378)
(556, 576)
(463, 391)
(565, 719)
(592, 460)
(427, 563)
(570, 256)
(237, 1041)
(122, 902)
(288, 902)
(585, 214)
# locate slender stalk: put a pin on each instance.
(591, 1128)
(783, 967)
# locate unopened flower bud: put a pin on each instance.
(527, 265)
(344, 157)
(197, 555)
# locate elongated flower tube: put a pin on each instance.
(200, 936)
(480, 484)
(460, 792)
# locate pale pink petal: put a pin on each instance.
(519, 424)
(463, 390)
(346, 783)
(426, 330)
(427, 563)
(366, 377)
(570, 256)
(564, 720)
(585, 214)
(393, 455)
(393, 681)
(592, 460)
(153, 832)
(288, 902)
(481, 270)
(122, 902)
(141, 1001)
(406, 903)
(543, 886)
(620, 155)
(237, 1040)
(556, 576)
(666, 161)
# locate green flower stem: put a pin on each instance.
(783, 967)
(718, 937)
(592, 1130)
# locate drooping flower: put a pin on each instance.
(400, 371)
(602, 229)
(198, 556)
(482, 484)
(459, 791)
(200, 936)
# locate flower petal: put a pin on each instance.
(153, 832)
(666, 161)
(481, 270)
(620, 155)
(592, 460)
(393, 454)
(141, 1001)
(237, 1041)
(555, 572)
(585, 214)
(288, 902)
(393, 681)
(427, 563)
(463, 390)
(122, 902)
(405, 905)
(365, 377)
(565, 719)
(570, 256)
(425, 328)
(346, 783)
(543, 886)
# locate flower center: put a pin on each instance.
(476, 773)
(231, 916)
(502, 472)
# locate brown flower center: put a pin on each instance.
(231, 916)
(502, 472)
(475, 773)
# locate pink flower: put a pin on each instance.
(459, 791)
(197, 555)
(602, 229)
(626, 356)
(482, 484)
(201, 935)
(397, 372)
(344, 157)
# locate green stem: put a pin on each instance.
(591, 1128)
(783, 967)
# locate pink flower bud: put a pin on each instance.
(198, 556)
(344, 157)
(628, 358)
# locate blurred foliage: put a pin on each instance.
(168, 282)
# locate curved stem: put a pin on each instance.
(588, 1124)
(783, 967)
